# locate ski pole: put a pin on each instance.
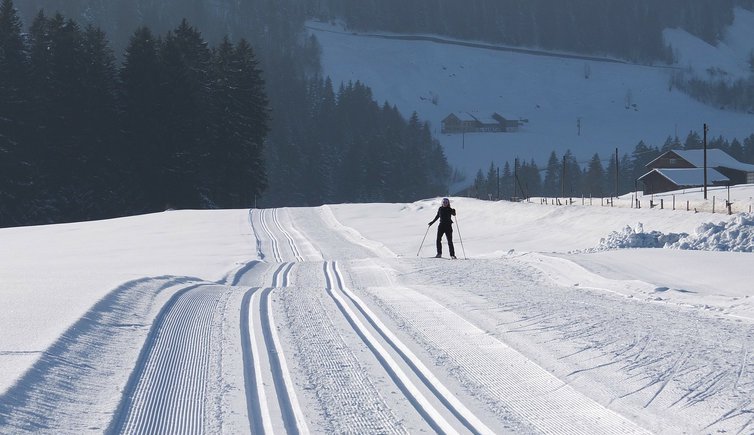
(425, 237)
(460, 239)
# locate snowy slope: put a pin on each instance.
(617, 105)
(326, 320)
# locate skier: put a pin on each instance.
(446, 227)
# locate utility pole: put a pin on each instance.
(705, 160)
(617, 177)
(562, 179)
(463, 135)
(515, 177)
(498, 183)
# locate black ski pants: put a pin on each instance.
(447, 230)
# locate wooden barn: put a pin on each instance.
(464, 122)
(679, 169)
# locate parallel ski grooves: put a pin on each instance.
(284, 398)
(291, 241)
(260, 342)
(257, 240)
(253, 407)
(168, 392)
(433, 417)
(273, 240)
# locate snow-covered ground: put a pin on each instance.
(332, 319)
(618, 105)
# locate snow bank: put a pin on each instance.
(735, 235)
(637, 238)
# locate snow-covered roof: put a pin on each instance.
(686, 177)
(465, 116)
(487, 120)
(715, 158)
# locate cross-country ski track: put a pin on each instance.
(328, 332)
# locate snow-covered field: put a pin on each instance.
(333, 320)
(587, 106)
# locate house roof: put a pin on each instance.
(689, 177)
(488, 121)
(465, 116)
(715, 158)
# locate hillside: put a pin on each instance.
(616, 104)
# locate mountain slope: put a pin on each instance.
(587, 106)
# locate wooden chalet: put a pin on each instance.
(464, 122)
(680, 169)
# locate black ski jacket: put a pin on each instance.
(444, 213)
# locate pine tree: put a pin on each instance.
(101, 158)
(14, 168)
(737, 150)
(534, 179)
(185, 89)
(641, 156)
(551, 186)
(480, 185)
(748, 145)
(573, 176)
(58, 101)
(693, 141)
(491, 181)
(506, 181)
(143, 120)
(594, 178)
(239, 127)
(626, 182)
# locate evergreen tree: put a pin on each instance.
(693, 141)
(737, 150)
(480, 186)
(573, 175)
(608, 184)
(671, 144)
(58, 100)
(185, 89)
(100, 161)
(491, 182)
(626, 180)
(14, 175)
(531, 181)
(239, 128)
(641, 156)
(144, 116)
(594, 178)
(506, 182)
(748, 155)
(551, 186)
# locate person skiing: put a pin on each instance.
(444, 213)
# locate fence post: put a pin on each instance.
(687, 206)
(713, 205)
(673, 202)
(662, 204)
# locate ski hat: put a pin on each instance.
(445, 201)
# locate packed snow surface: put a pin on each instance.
(335, 319)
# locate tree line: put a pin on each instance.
(348, 148)
(566, 176)
(627, 29)
(177, 124)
